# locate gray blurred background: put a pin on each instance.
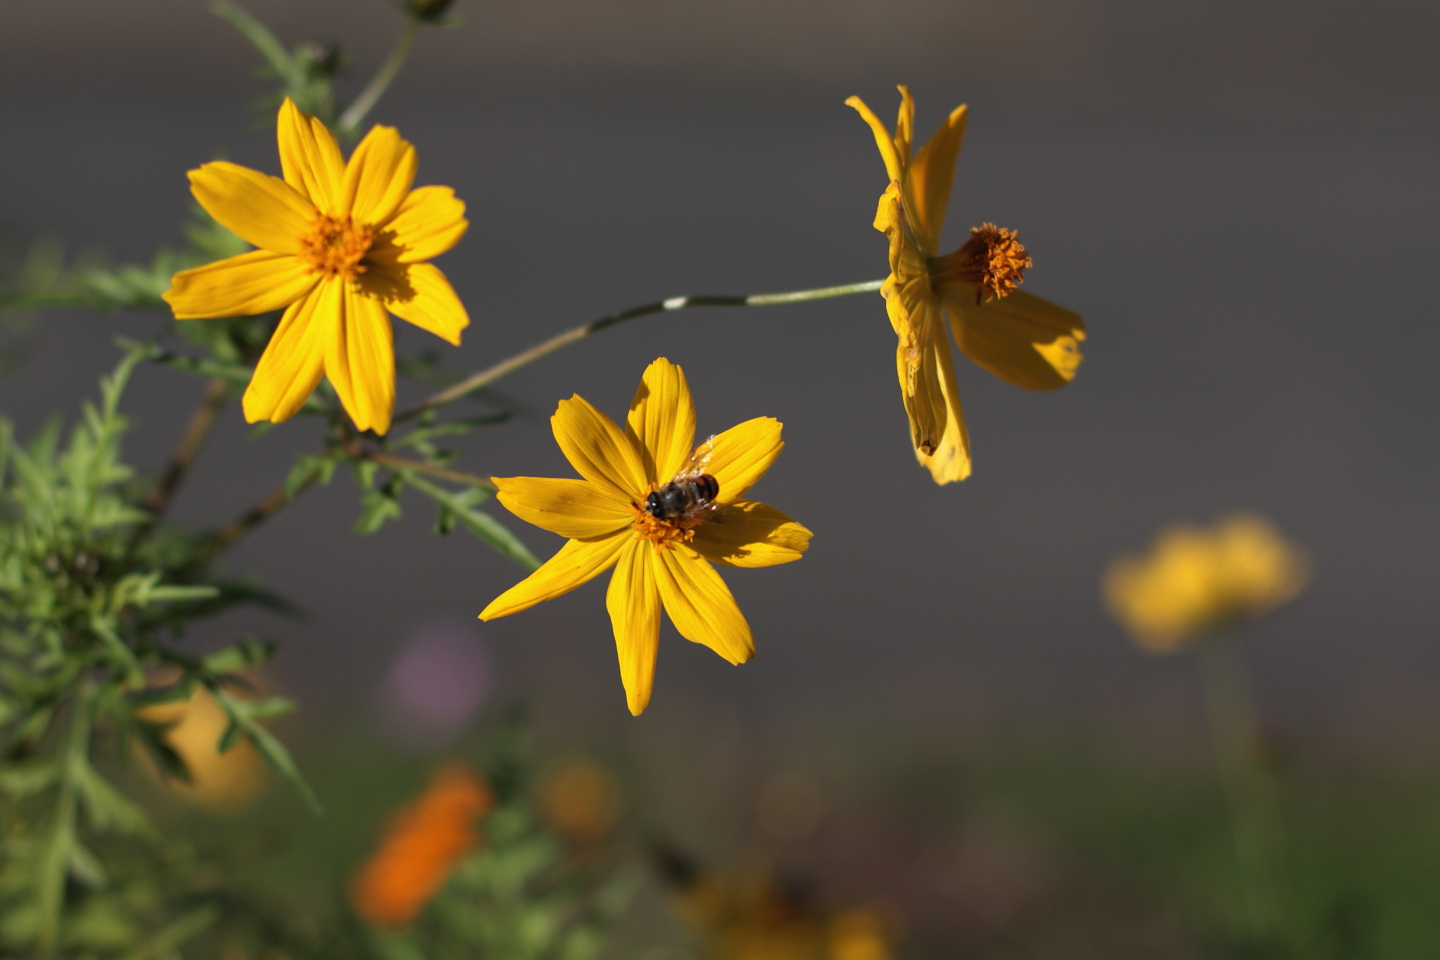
(1238, 197)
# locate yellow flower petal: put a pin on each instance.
(741, 455)
(572, 508)
(950, 460)
(254, 282)
(310, 158)
(1020, 338)
(933, 170)
(634, 604)
(597, 449)
(429, 222)
(661, 422)
(905, 124)
(894, 165)
(360, 360)
(294, 359)
(748, 533)
(259, 209)
(378, 177)
(420, 294)
(578, 562)
(700, 604)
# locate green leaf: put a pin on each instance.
(269, 746)
(29, 776)
(241, 655)
(167, 942)
(124, 657)
(175, 692)
(108, 809)
(85, 868)
(481, 524)
(172, 593)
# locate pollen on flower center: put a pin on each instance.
(335, 246)
(992, 259)
(664, 534)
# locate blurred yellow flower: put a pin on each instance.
(661, 516)
(581, 800)
(1020, 338)
(339, 245)
(1196, 580)
(221, 781)
(421, 847)
(758, 915)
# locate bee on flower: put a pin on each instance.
(1018, 337)
(662, 513)
(341, 245)
(1195, 580)
(423, 844)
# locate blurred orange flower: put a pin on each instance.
(1196, 579)
(423, 843)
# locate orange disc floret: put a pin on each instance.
(419, 850)
(992, 260)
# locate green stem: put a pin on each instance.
(55, 863)
(489, 375)
(400, 463)
(378, 84)
(1256, 824)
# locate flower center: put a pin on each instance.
(992, 260)
(335, 246)
(664, 534)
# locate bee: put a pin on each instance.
(690, 494)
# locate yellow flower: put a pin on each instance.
(1196, 580)
(221, 781)
(339, 245)
(656, 560)
(1020, 338)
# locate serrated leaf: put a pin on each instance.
(268, 744)
(481, 524)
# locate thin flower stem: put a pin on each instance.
(488, 376)
(249, 520)
(1256, 823)
(202, 421)
(454, 476)
(362, 104)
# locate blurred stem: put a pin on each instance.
(202, 421)
(488, 376)
(257, 33)
(400, 463)
(249, 520)
(55, 862)
(1237, 740)
(375, 89)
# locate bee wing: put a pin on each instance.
(699, 461)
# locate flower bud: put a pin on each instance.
(428, 10)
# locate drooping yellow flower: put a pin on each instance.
(1018, 337)
(657, 559)
(1196, 579)
(339, 245)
